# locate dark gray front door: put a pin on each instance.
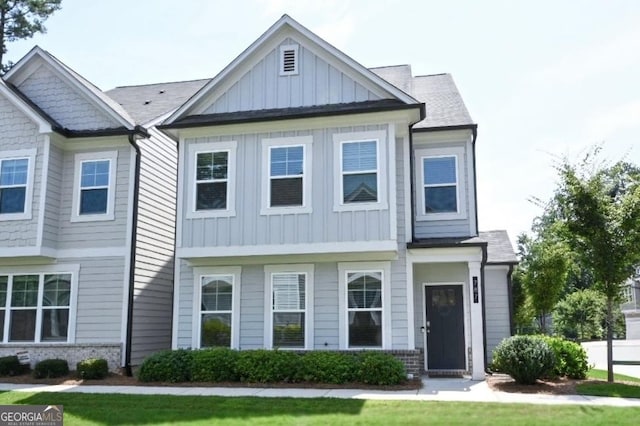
(444, 327)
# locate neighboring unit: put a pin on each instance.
(631, 306)
(326, 206)
(87, 213)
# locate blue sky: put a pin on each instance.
(542, 79)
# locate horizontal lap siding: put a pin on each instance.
(53, 197)
(399, 305)
(496, 308)
(153, 289)
(185, 305)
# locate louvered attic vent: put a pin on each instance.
(289, 60)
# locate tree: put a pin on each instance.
(600, 208)
(580, 315)
(20, 19)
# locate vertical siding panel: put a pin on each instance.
(252, 308)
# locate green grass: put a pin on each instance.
(94, 409)
(616, 389)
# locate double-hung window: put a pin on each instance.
(94, 186)
(287, 180)
(216, 308)
(440, 183)
(35, 307)
(212, 180)
(16, 181)
(289, 319)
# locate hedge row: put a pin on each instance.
(92, 368)
(271, 366)
(529, 358)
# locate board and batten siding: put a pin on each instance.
(18, 132)
(100, 298)
(63, 103)
(248, 227)
(103, 233)
(442, 228)
(496, 307)
(317, 83)
(153, 282)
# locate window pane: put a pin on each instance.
(3, 291)
(22, 326)
(287, 161)
(288, 291)
(288, 330)
(212, 165)
(14, 172)
(439, 170)
(93, 201)
(215, 330)
(12, 200)
(55, 323)
(216, 293)
(360, 188)
(94, 173)
(25, 291)
(364, 290)
(57, 290)
(286, 192)
(440, 199)
(365, 329)
(359, 156)
(211, 196)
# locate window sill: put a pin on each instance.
(93, 218)
(204, 214)
(270, 211)
(441, 216)
(360, 207)
(14, 216)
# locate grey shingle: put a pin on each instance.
(499, 249)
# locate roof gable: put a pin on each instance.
(8, 94)
(64, 95)
(322, 75)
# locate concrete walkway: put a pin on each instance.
(464, 390)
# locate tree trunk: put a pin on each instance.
(609, 339)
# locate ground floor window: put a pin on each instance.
(35, 307)
(215, 310)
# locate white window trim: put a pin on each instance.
(198, 273)
(30, 155)
(345, 268)
(112, 157)
(461, 190)
(72, 270)
(380, 137)
(307, 160)
(306, 269)
(194, 149)
(296, 60)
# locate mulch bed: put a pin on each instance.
(561, 386)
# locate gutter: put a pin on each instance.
(484, 308)
(474, 131)
(140, 131)
(510, 296)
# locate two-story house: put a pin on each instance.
(87, 213)
(631, 305)
(324, 205)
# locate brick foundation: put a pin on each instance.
(70, 352)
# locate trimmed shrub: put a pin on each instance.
(167, 366)
(92, 368)
(214, 365)
(329, 367)
(10, 366)
(377, 368)
(571, 358)
(266, 366)
(524, 358)
(51, 368)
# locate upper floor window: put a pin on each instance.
(94, 186)
(211, 179)
(440, 183)
(15, 184)
(287, 186)
(440, 189)
(361, 172)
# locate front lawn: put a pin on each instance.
(95, 409)
(629, 389)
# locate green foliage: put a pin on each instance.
(377, 368)
(580, 315)
(51, 368)
(570, 358)
(214, 365)
(524, 358)
(92, 368)
(167, 366)
(329, 367)
(216, 333)
(10, 366)
(22, 19)
(265, 366)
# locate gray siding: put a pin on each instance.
(185, 305)
(153, 288)
(108, 233)
(100, 298)
(249, 227)
(63, 102)
(496, 308)
(252, 307)
(318, 83)
(325, 304)
(17, 133)
(54, 195)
